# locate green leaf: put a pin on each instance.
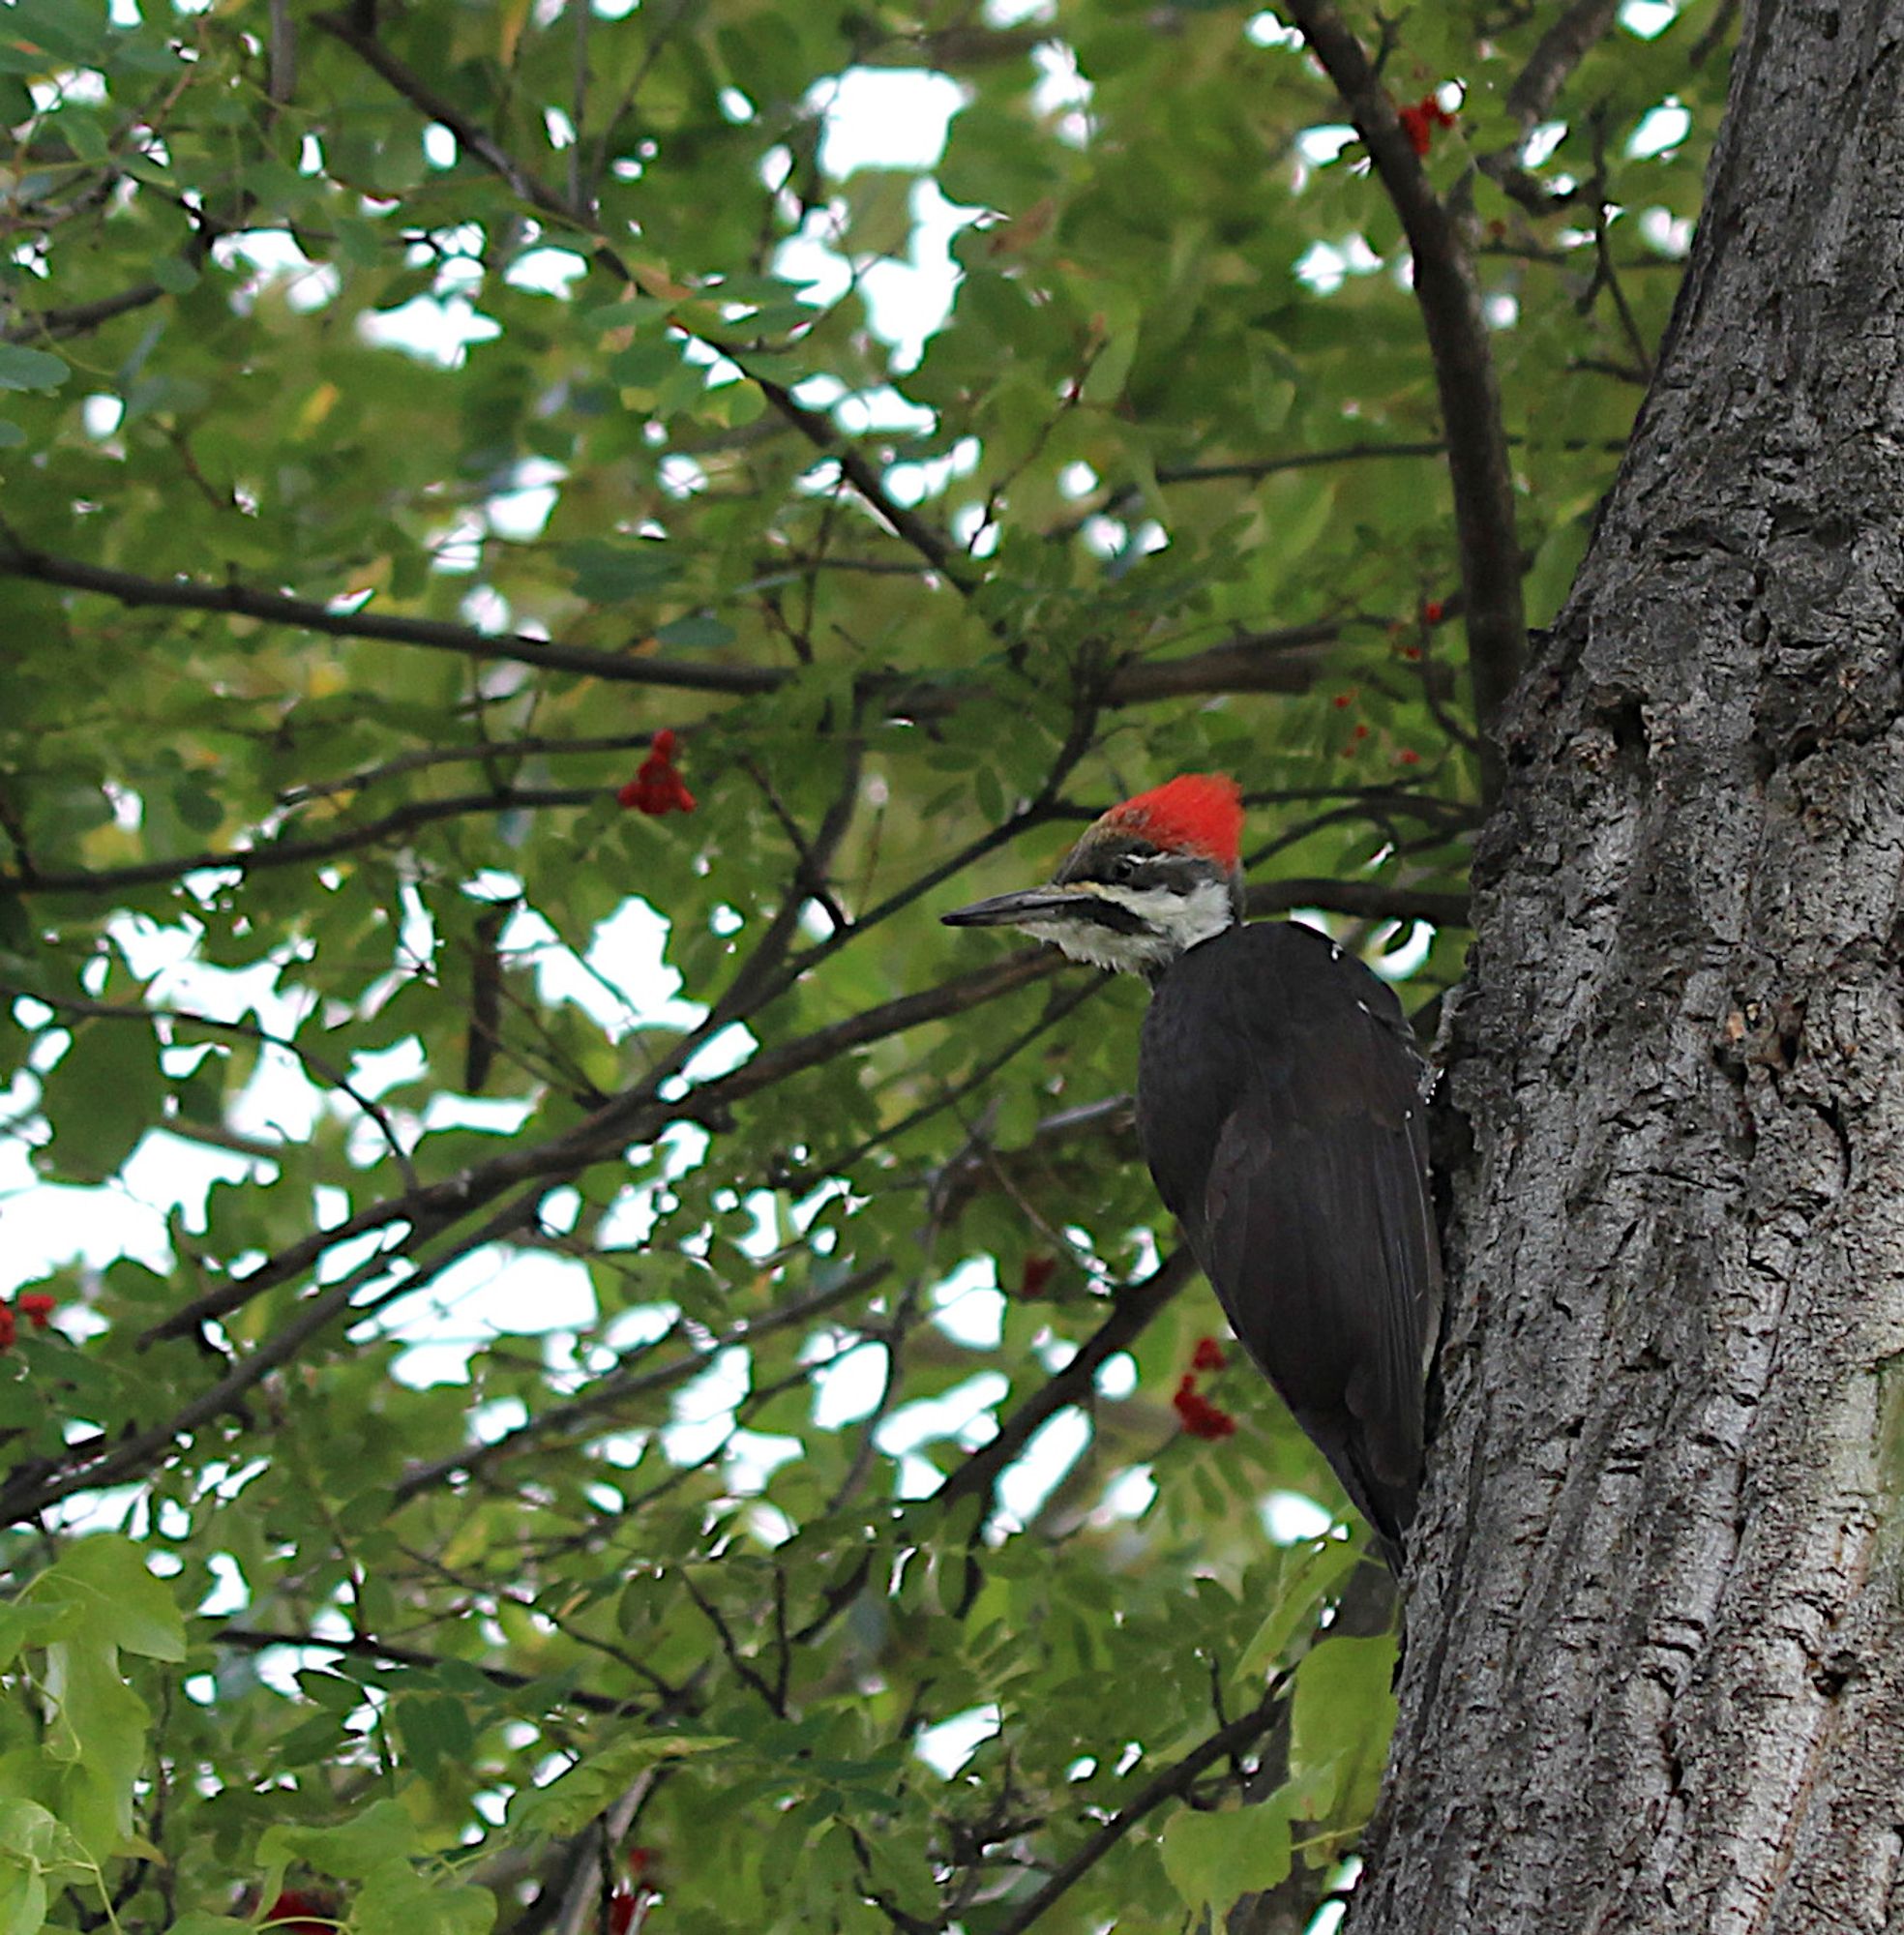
(1212, 1859)
(96, 1742)
(24, 369)
(736, 405)
(1342, 1713)
(701, 632)
(586, 1789)
(27, 1622)
(101, 1097)
(112, 1598)
(29, 1833)
(605, 574)
(1313, 1575)
(643, 366)
(382, 1833)
(434, 1730)
(22, 1898)
(196, 807)
(395, 1896)
(79, 34)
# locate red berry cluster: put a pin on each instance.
(299, 1912)
(1419, 122)
(657, 787)
(1431, 613)
(35, 1305)
(1198, 1417)
(625, 1903)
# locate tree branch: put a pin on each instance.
(1169, 1783)
(1131, 1312)
(51, 325)
(819, 431)
(275, 608)
(479, 752)
(1289, 660)
(638, 1117)
(356, 1645)
(295, 853)
(1560, 49)
(1366, 899)
(322, 1068)
(1606, 275)
(523, 184)
(1295, 459)
(744, 1668)
(936, 549)
(763, 968)
(1450, 301)
(619, 1386)
(430, 1211)
(31, 1487)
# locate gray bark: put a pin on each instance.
(1655, 1673)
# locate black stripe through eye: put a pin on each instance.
(1108, 915)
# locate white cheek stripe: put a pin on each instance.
(1173, 923)
(1201, 914)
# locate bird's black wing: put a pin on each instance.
(1283, 1119)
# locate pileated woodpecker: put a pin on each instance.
(1279, 1106)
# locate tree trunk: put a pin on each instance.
(1654, 1677)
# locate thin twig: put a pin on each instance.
(88, 1461)
(1451, 302)
(743, 1667)
(618, 1387)
(1560, 49)
(1167, 1784)
(325, 1070)
(274, 607)
(764, 967)
(484, 753)
(428, 1211)
(253, 1639)
(817, 428)
(1606, 275)
(52, 325)
(1132, 1310)
(580, 12)
(298, 853)
(810, 874)
(638, 1117)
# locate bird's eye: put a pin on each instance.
(1122, 870)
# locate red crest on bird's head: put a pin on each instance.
(1201, 812)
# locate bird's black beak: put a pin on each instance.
(1013, 910)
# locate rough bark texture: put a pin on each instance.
(1654, 1677)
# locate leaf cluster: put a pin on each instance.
(536, 1282)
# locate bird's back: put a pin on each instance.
(1281, 1113)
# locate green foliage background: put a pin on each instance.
(447, 1632)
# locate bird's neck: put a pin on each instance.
(1190, 935)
